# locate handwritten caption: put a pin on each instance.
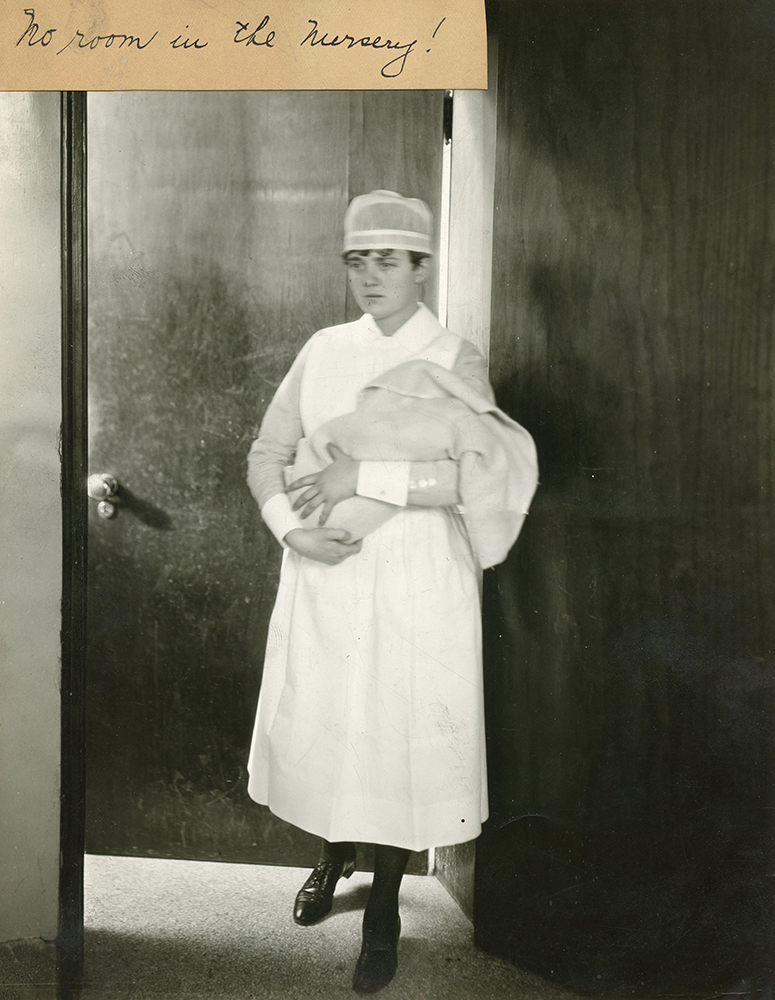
(261, 35)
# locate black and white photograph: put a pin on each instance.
(388, 520)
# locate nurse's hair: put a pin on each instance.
(415, 256)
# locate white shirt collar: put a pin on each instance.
(421, 327)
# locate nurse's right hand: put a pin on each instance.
(326, 545)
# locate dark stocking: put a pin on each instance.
(339, 852)
(378, 960)
(389, 867)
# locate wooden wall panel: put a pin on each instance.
(630, 634)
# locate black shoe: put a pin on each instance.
(378, 960)
(314, 899)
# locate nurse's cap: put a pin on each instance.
(383, 219)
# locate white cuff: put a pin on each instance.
(386, 481)
(279, 517)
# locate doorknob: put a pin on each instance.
(103, 487)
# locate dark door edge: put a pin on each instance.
(74, 456)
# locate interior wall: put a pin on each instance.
(629, 668)
(30, 517)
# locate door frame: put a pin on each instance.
(74, 450)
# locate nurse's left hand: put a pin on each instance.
(337, 482)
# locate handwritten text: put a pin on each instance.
(262, 36)
(365, 42)
(251, 39)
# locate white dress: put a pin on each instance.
(370, 722)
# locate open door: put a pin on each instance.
(214, 230)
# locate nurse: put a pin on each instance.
(370, 723)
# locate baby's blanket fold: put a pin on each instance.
(418, 412)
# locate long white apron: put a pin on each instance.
(370, 723)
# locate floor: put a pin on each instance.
(169, 930)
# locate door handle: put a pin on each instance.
(103, 487)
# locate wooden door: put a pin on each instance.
(214, 236)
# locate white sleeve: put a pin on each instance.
(274, 449)
(279, 517)
(386, 481)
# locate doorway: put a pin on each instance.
(150, 286)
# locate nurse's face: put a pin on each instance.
(386, 284)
